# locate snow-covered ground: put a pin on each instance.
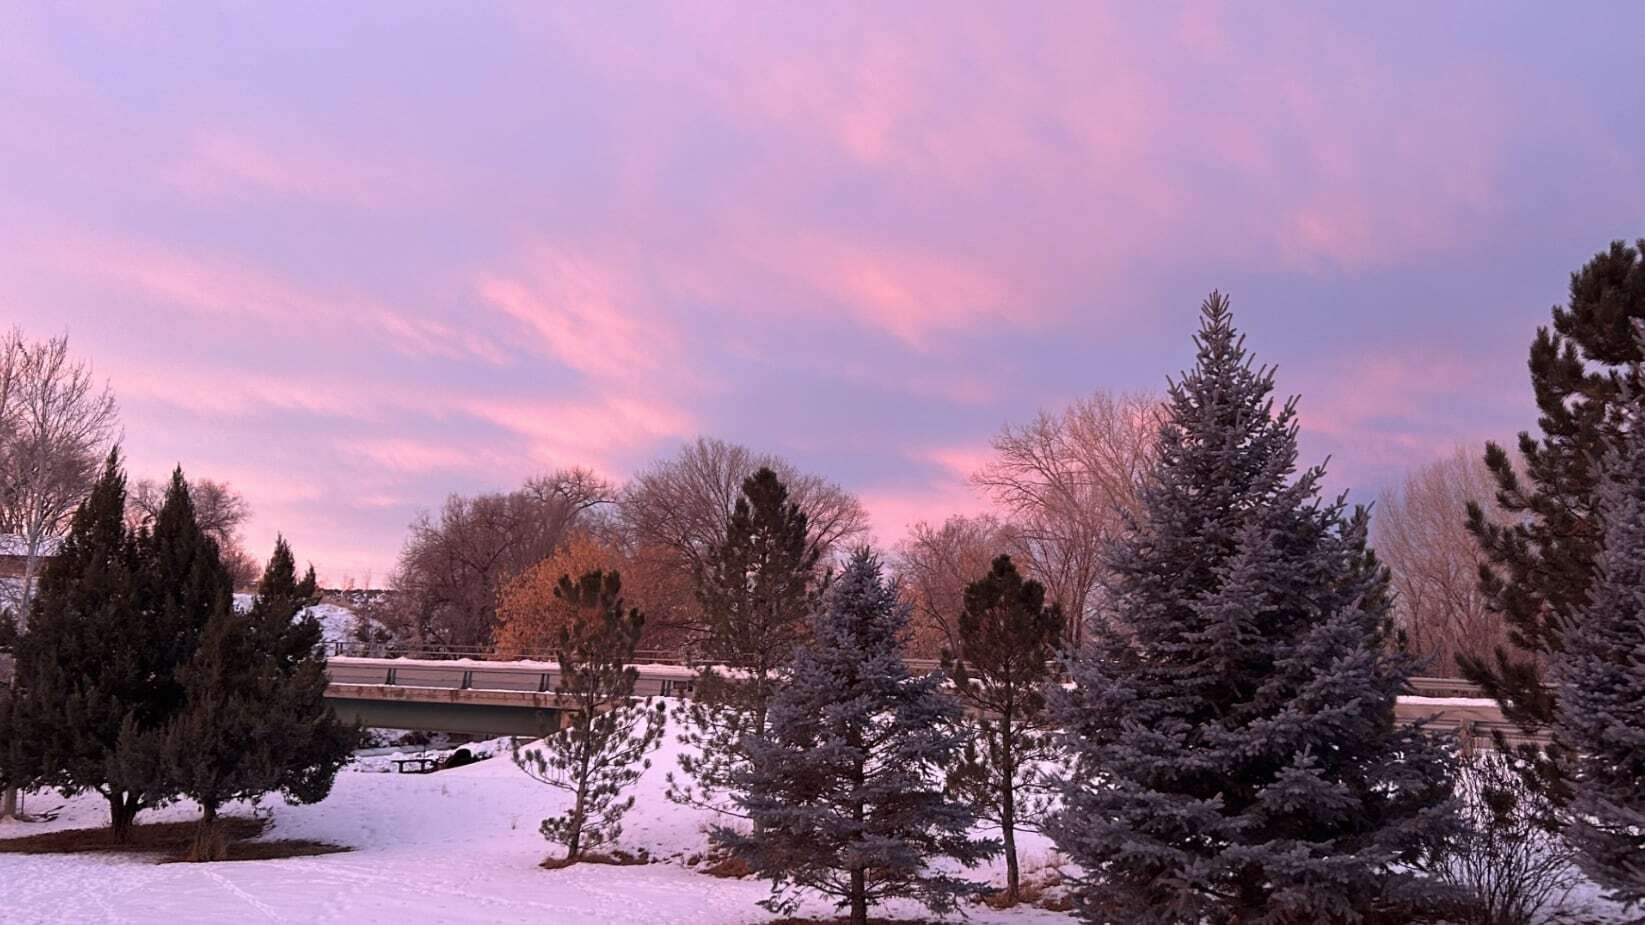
(456, 846)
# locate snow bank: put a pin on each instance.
(457, 846)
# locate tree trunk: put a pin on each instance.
(1008, 827)
(209, 844)
(1008, 803)
(8, 804)
(859, 897)
(26, 596)
(122, 813)
(579, 813)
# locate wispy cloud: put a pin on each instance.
(358, 275)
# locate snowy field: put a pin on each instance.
(456, 846)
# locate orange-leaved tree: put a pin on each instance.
(529, 615)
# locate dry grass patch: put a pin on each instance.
(728, 868)
(615, 858)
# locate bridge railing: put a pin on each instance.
(1420, 686)
(354, 649)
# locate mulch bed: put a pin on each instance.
(169, 841)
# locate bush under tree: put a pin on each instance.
(1234, 752)
(599, 751)
(1008, 638)
(1507, 868)
(844, 790)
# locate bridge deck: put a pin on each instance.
(487, 697)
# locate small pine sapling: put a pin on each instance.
(1008, 638)
(600, 749)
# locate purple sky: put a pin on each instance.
(353, 259)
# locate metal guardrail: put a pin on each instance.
(479, 653)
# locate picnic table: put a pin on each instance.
(421, 764)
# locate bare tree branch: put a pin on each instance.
(1419, 531)
(1068, 481)
(58, 424)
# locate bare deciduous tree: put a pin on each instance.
(56, 423)
(219, 509)
(935, 564)
(453, 566)
(1068, 480)
(1420, 532)
(676, 509)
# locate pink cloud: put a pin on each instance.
(224, 164)
(404, 456)
(584, 312)
(909, 292)
(223, 393)
(595, 433)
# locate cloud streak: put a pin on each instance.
(445, 250)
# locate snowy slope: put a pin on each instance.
(456, 846)
(336, 622)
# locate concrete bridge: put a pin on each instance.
(485, 697)
(479, 696)
(473, 696)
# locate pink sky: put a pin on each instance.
(352, 259)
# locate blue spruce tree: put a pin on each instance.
(845, 789)
(1600, 719)
(1234, 751)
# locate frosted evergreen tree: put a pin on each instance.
(1235, 754)
(1601, 677)
(845, 788)
(1008, 637)
(755, 590)
(600, 750)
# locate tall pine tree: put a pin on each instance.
(1600, 671)
(599, 751)
(1542, 563)
(844, 789)
(1235, 754)
(254, 719)
(115, 617)
(755, 592)
(1008, 638)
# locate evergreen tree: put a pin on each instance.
(1601, 676)
(755, 592)
(1542, 563)
(844, 788)
(1235, 753)
(115, 617)
(600, 749)
(12, 739)
(1007, 638)
(254, 719)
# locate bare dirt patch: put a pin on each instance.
(169, 841)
